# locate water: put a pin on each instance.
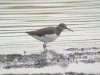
(85, 68)
(19, 16)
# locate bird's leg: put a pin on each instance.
(44, 45)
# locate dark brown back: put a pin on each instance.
(41, 32)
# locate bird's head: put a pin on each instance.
(62, 27)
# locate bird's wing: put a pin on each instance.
(42, 32)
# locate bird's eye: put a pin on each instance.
(63, 26)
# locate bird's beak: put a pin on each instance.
(69, 29)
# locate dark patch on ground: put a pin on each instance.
(85, 55)
(68, 73)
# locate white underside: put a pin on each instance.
(47, 37)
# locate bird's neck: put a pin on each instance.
(59, 29)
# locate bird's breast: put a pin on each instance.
(46, 37)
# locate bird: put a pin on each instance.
(48, 34)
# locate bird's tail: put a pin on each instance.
(27, 32)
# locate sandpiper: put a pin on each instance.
(48, 34)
